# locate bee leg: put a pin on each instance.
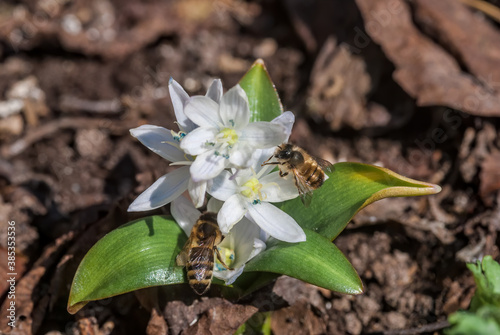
(181, 259)
(265, 163)
(270, 163)
(283, 174)
(219, 257)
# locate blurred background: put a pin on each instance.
(413, 86)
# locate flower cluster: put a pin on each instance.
(220, 152)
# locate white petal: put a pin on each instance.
(234, 111)
(223, 186)
(243, 240)
(243, 175)
(244, 232)
(203, 111)
(231, 212)
(259, 157)
(287, 120)
(214, 92)
(164, 190)
(179, 99)
(214, 205)
(258, 247)
(277, 189)
(263, 236)
(263, 134)
(241, 156)
(207, 166)
(276, 223)
(184, 214)
(243, 236)
(160, 141)
(229, 276)
(197, 192)
(195, 143)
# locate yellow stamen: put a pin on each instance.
(252, 188)
(229, 135)
(227, 256)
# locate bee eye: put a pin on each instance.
(285, 154)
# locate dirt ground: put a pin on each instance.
(412, 86)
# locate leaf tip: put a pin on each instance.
(435, 189)
(259, 62)
(429, 189)
(361, 290)
(357, 288)
(74, 308)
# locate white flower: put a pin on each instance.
(226, 137)
(237, 248)
(249, 192)
(165, 143)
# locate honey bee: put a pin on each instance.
(198, 252)
(308, 171)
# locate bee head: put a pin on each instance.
(286, 152)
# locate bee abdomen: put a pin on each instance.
(315, 176)
(199, 272)
(200, 276)
(200, 287)
(198, 267)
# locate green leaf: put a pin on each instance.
(483, 322)
(137, 255)
(350, 188)
(491, 271)
(487, 278)
(316, 261)
(263, 99)
(483, 317)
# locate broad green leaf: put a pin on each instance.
(249, 282)
(263, 99)
(316, 261)
(137, 255)
(351, 187)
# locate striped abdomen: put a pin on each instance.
(311, 173)
(200, 269)
(205, 236)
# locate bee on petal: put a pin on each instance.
(308, 171)
(198, 252)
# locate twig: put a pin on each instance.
(431, 327)
(74, 104)
(300, 26)
(485, 7)
(10, 107)
(37, 134)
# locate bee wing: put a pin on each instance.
(325, 165)
(182, 257)
(305, 190)
(306, 198)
